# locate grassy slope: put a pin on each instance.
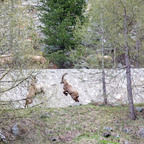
(79, 124)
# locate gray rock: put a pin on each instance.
(85, 67)
(82, 61)
(108, 128)
(101, 105)
(126, 130)
(141, 132)
(54, 139)
(119, 65)
(139, 109)
(47, 115)
(15, 130)
(106, 135)
(2, 137)
(116, 105)
(76, 104)
(117, 136)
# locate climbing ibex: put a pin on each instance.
(68, 89)
(33, 90)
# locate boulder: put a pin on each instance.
(108, 128)
(2, 137)
(140, 109)
(141, 132)
(106, 134)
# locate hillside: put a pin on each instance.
(87, 124)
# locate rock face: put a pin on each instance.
(86, 81)
(140, 109)
(108, 128)
(141, 132)
(2, 137)
(18, 129)
(15, 130)
(106, 135)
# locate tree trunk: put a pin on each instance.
(137, 47)
(104, 87)
(128, 71)
(11, 27)
(102, 47)
(115, 62)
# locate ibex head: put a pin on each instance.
(63, 80)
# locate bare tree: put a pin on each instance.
(128, 70)
(15, 44)
(102, 48)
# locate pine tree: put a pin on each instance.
(59, 19)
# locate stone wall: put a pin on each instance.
(86, 81)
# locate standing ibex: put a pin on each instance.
(6, 59)
(33, 90)
(39, 59)
(68, 89)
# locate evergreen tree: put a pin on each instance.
(59, 19)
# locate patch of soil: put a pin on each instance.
(70, 135)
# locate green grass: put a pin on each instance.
(76, 125)
(107, 142)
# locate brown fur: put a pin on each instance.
(107, 57)
(6, 59)
(33, 90)
(68, 89)
(40, 59)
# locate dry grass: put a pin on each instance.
(80, 124)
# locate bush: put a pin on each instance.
(60, 59)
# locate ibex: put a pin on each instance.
(6, 59)
(40, 59)
(33, 90)
(68, 89)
